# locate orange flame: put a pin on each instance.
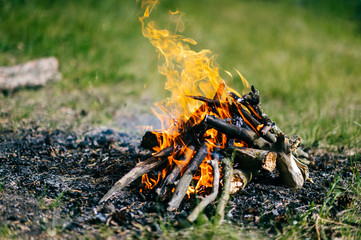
(188, 73)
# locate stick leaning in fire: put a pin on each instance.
(255, 142)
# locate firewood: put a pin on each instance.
(186, 178)
(254, 123)
(211, 197)
(290, 173)
(233, 131)
(227, 177)
(149, 140)
(265, 147)
(254, 159)
(140, 169)
(240, 179)
(165, 189)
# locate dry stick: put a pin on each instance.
(164, 190)
(254, 159)
(186, 179)
(211, 197)
(228, 169)
(140, 169)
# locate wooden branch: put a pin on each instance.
(254, 159)
(227, 176)
(186, 179)
(165, 189)
(233, 131)
(140, 169)
(240, 179)
(211, 197)
(254, 123)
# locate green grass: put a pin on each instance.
(304, 56)
(319, 221)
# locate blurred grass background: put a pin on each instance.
(304, 56)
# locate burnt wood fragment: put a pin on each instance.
(164, 190)
(149, 140)
(186, 178)
(211, 197)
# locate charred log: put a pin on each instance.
(233, 131)
(211, 197)
(186, 178)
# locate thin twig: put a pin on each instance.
(211, 197)
(228, 169)
(186, 178)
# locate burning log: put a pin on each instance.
(139, 170)
(164, 190)
(234, 131)
(221, 127)
(187, 177)
(211, 197)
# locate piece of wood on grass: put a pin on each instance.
(290, 173)
(30, 74)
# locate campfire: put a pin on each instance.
(213, 140)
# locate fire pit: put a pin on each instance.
(210, 132)
(235, 132)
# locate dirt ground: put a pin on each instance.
(51, 182)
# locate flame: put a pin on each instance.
(188, 73)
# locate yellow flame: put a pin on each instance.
(187, 72)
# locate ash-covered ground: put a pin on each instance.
(51, 182)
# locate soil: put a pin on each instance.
(51, 183)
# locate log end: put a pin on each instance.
(269, 163)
